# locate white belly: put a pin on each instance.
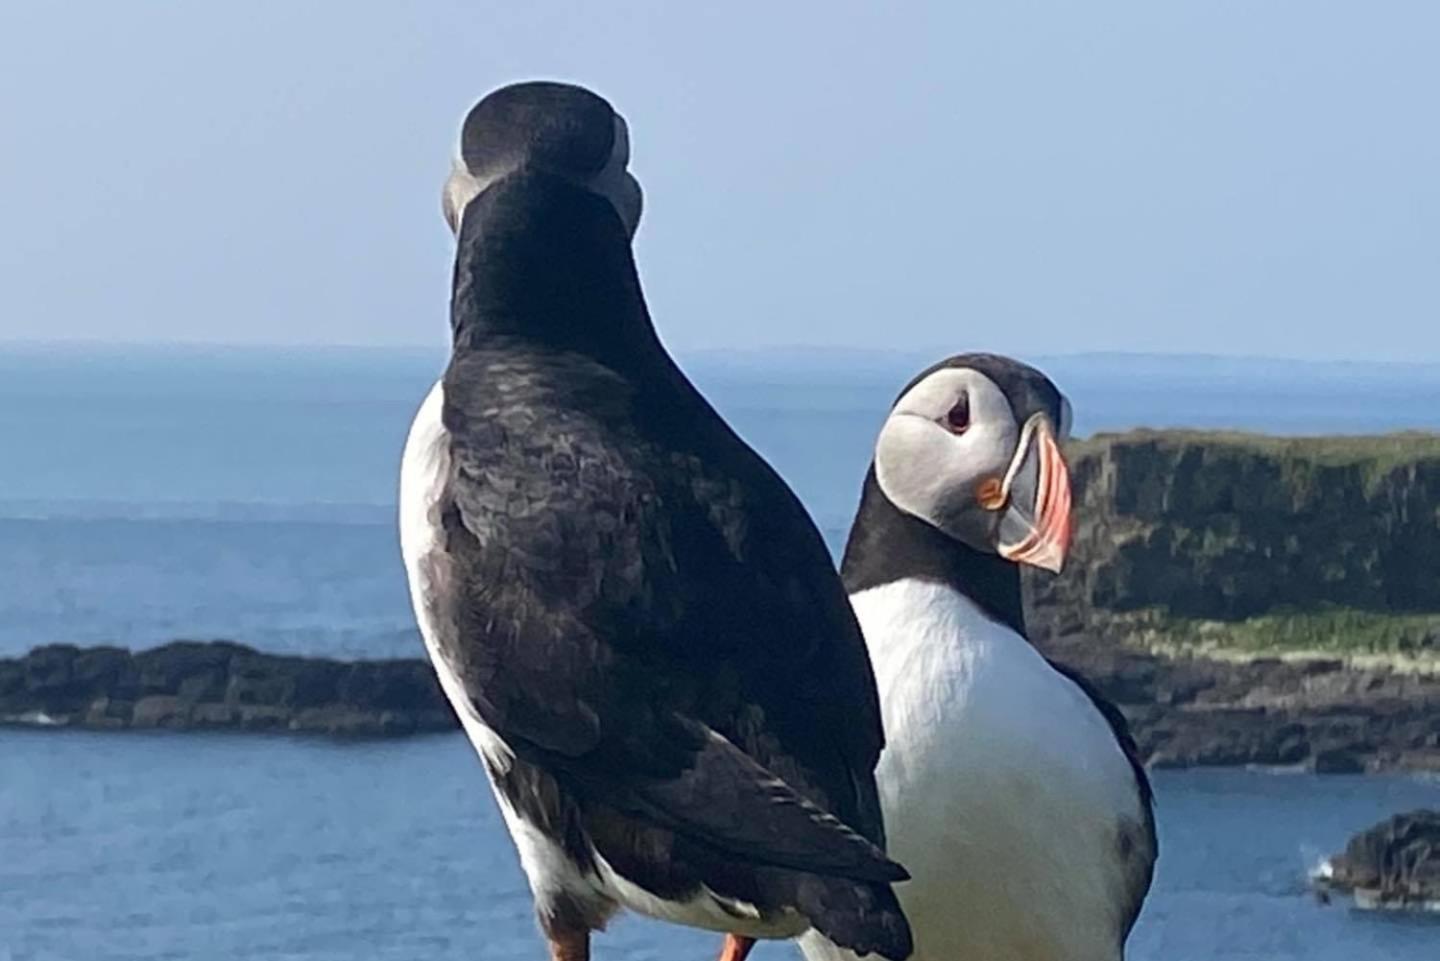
(1003, 788)
(548, 869)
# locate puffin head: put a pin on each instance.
(556, 128)
(972, 448)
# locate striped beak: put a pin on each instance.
(1035, 526)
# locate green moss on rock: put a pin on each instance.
(1402, 640)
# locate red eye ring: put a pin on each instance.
(957, 419)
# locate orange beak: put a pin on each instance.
(1045, 541)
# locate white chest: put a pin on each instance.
(422, 477)
(1002, 784)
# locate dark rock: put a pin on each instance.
(264, 717)
(12, 678)
(1396, 863)
(99, 668)
(161, 670)
(1189, 711)
(400, 687)
(215, 715)
(159, 710)
(1223, 738)
(260, 679)
(109, 714)
(207, 686)
(220, 685)
(1337, 760)
(51, 669)
(317, 683)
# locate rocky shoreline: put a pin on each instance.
(219, 685)
(1316, 714)
(1319, 715)
(1393, 865)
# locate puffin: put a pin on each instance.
(1011, 790)
(634, 618)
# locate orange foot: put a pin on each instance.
(570, 946)
(736, 948)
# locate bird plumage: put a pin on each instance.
(633, 615)
(1011, 789)
(1006, 792)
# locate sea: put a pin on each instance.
(148, 494)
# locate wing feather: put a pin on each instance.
(659, 626)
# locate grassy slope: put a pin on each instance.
(1402, 640)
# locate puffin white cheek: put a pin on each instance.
(460, 188)
(924, 469)
(991, 450)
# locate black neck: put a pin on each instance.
(543, 259)
(888, 545)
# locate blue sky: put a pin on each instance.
(1226, 177)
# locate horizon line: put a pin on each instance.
(749, 352)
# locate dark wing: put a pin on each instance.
(635, 602)
(1140, 857)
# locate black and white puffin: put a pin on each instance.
(1011, 790)
(634, 618)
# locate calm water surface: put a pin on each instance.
(216, 847)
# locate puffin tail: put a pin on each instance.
(863, 917)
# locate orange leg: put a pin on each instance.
(570, 946)
(736, 948)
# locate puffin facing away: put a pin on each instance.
(1010, 789)
(633, 616)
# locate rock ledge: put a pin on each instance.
(219, 685)
(1395, 864)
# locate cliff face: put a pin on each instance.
(1257, 600)
(1225, 527)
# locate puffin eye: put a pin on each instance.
(957, 421)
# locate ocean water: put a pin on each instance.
(148, 495)
(156, 846)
